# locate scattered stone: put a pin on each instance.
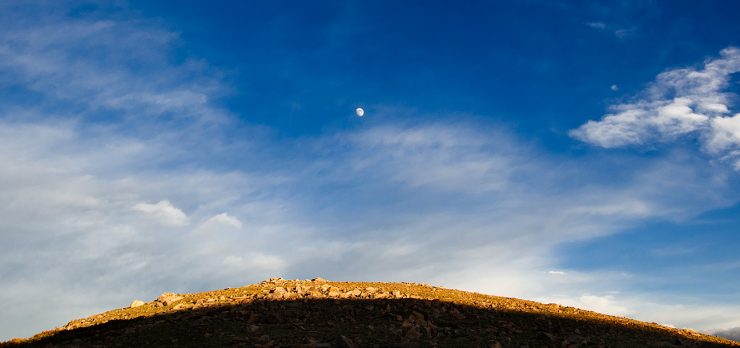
(334, 292)
(137, 303)
(278, 293)
(168, 298)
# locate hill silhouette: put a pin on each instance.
(318, 313)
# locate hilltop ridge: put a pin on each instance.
(320, 313)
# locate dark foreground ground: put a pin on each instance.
(280, 313)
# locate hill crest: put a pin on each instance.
(320, 313)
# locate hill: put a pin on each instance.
(319, 313)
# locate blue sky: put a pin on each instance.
(572, 152)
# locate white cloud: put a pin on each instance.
(614, 88)
(602, 304)
(557, 273)
(681, 102)
(725, 134)
(164, 212)
(225, 219)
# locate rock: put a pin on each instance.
(319, 280)
(168, 298)
(413, 334)
(137, 303)
(345, 342)
(334, 292)
(278, 293)
(265, 339)
(370, 290)
(356, 292)
(396, 293)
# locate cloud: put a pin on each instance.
(355, 205)
(164, 212)
(602, 304)
(557, 273)
(597, 25)
(132, 79)
(619, 33)
(225, 219)
(680, 103)
(674, 311)
(614, 88)
(733, 334)
(623, 33)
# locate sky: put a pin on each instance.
(581, 153)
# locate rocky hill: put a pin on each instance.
(319, 313)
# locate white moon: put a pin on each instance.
(359, 112)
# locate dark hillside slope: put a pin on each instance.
(318, 313)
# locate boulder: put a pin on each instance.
(168, 298)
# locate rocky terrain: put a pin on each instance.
(320, 313)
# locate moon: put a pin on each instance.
(359, 112)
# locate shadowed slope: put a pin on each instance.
(327, 314)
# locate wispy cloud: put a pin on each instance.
(624, 33)
(597, 25)
(619, 33)
(680, 103)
